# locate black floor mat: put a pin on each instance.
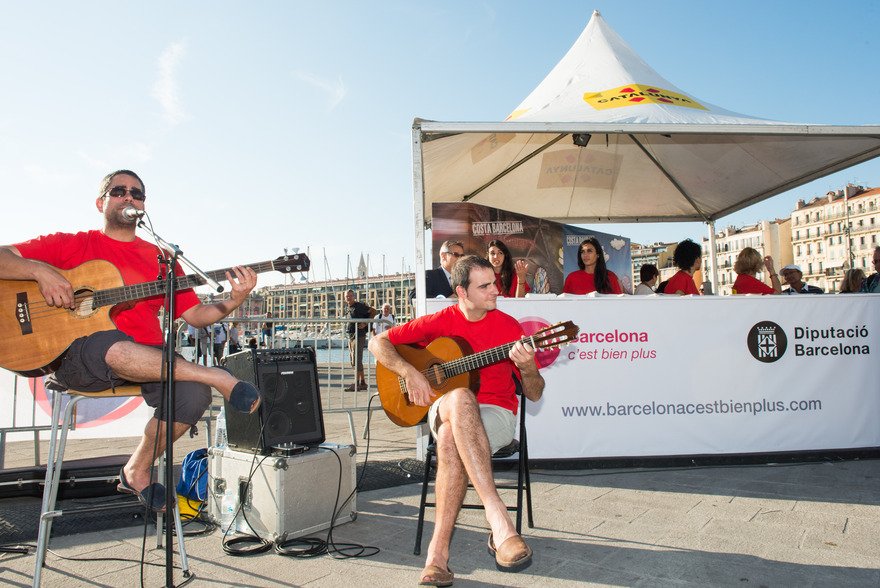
(19, 517)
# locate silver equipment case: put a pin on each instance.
(288, 496)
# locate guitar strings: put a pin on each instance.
(42, 309)
(474, 361)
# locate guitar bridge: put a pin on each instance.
(23, 313)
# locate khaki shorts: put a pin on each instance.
(500, 423)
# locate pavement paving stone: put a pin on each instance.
(805, 525)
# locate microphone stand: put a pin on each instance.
(168, 347)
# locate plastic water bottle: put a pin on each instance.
(228, 507)
(220, 439)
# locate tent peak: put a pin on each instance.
(602, 79)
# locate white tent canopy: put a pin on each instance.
(652, 153)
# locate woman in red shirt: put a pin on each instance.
(688, 258)
(593, 275)
(748, 263)
(510, 278)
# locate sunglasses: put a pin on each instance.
(453, 254)
(119, 192)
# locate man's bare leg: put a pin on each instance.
(462, 412)
(139, 363)
(450, 488)
(138, 470)
(462, 454)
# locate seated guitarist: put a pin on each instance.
(132, 353)
(468, 429)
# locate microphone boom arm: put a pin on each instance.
(175, 251)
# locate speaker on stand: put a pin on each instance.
(290, 411)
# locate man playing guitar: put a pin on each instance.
(132, 352)
(468, 427)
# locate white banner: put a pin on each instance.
(29, 405)
(668, 375)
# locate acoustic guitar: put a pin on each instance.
(36, 335)
(449, 363)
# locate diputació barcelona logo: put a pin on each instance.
(767, 342)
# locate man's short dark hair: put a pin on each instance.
(108, 179)
(461, 271)
(648, 271)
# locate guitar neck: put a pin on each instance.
(113, 296)
(478, 360)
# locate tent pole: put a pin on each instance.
(419, 213)
(713, 258)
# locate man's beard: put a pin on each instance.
(115, 220)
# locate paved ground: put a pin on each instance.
(802, 525)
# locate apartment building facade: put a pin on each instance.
(323, 300)
(836, 232)
(656, 254)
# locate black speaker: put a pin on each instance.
(290, 408)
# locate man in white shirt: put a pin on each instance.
(219, 341)
(387, 316)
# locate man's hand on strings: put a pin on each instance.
(55, 288)
(418, 389)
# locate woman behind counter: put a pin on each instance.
(593, 275)
(748, 263)
(688, 259)
(509, 278)
(852, 279)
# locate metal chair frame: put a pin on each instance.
(54, 462)
(523, 484)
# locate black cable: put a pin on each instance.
(303, 547)
(348, 550)
(259, 545)
(312, 546)
(367, 452)
(123, 559)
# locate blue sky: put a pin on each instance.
(263, 125)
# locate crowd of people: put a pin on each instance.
(593, 275)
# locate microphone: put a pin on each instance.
(132, 213)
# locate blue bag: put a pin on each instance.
(194, 475)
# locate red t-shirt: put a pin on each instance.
(580, 282)
(136, 262)
(495, 329)
(681, 281)
(746, 284)
(513, 285)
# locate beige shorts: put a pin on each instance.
(499, 423)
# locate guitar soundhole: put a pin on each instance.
(84, 303)
(436, 376)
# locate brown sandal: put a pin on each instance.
(441, 577)
(511, 556)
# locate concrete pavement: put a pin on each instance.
(805, 525)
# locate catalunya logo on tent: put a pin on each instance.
(635, 94)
